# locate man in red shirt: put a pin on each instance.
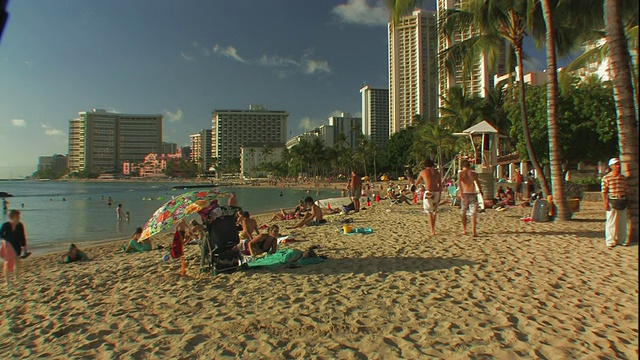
(614, 194)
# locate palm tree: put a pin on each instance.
(557, 176)
(435, 142)
(623, 94)
(599, 49)
(459, 111)
(493, 23)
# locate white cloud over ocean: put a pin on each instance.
(229, 52)
(283, 65)
(175, 116)
(362, 12)
(50, 131)
(18, 122)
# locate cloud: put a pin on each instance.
(283, 65)
(49, 131)
(360, 12)
(18, 123)
(307, 123)
(174, 116)
(229, 52)
(287, 65)
(186, 57)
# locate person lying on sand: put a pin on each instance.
(74, 255)
(265, 243)
(135, 245)
(295, 214)
(315, 217)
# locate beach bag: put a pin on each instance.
(176, 245)
(618, 204)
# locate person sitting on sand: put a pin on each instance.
(265, 243)
(249, 226)
(135, 245)
(74, 255)
(397, 197)
(196, 232)
(312, 218)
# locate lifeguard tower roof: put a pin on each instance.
(482, 127)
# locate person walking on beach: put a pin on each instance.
(614, 193)
(12, 245)
(467, 181)
(433, 190)
(519, 180)
(355, 186)
(119, 213)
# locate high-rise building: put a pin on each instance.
(413, 84)
(201, 149)
(346, 124)
(478, 81)
(56, 164)
(169, 148)
(101, 141)
(233, 128)
(375, 114)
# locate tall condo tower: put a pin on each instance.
(375, 114)
(479, 81)
(413, 85)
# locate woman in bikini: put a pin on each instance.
(265, 243)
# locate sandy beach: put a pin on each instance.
(520, 290)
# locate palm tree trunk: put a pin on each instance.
(623, 94)
(557, 177)
(525, 125)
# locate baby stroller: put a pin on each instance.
(219, 251)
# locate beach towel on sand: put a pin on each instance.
(284, 257)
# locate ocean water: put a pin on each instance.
(68, 212)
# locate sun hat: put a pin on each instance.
(614, 161)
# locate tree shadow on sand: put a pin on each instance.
(588, 234)
(373, 265)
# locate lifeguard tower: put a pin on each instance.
(484, 142)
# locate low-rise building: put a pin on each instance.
(254, 155)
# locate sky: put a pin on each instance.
(183, 59)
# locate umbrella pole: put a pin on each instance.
(183, 267)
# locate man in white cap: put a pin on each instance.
(614, 194)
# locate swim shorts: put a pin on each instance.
(357, 192)
(469, 203)
(430, 202)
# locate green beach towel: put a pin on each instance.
(283, 257)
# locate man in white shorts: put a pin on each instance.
(433, 190)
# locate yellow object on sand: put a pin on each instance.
(347, 229)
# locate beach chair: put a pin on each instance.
(219, 252)
(452, 193)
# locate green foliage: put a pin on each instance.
(84, 174)
(49, 174)
(182, 168)
(396, 153)
(587, 121)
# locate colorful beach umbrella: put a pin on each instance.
(178, 208)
